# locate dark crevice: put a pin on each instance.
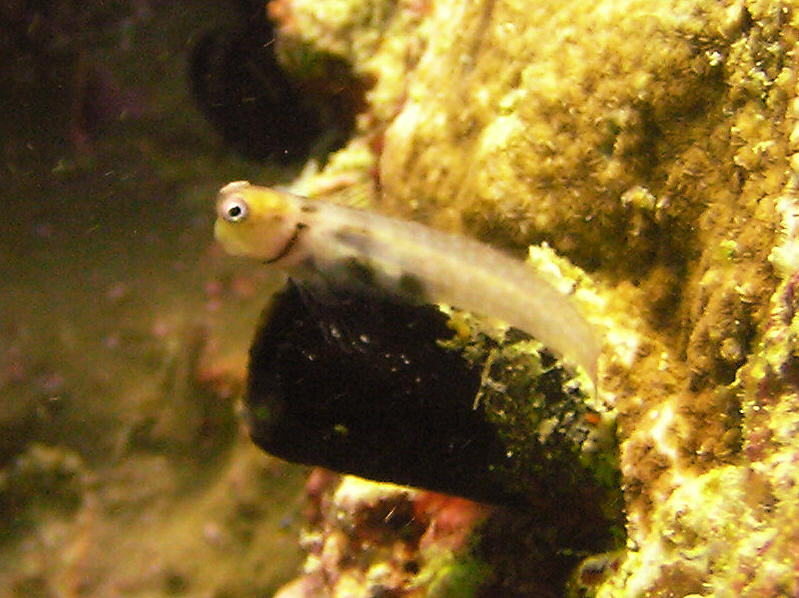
(260, 109)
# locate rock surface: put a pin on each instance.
(650, 143)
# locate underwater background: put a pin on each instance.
(123, 331)
(641, 152)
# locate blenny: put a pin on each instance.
(327, 246)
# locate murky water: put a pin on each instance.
(123, 329)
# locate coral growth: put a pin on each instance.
(652, 144)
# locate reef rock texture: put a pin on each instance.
(650, 142)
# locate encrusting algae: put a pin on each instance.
(653, 144)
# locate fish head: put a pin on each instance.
(254, 221)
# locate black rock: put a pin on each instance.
(362, 386)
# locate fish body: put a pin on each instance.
(328, 245)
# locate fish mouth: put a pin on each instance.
(290, 244)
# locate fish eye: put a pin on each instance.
(234, 210)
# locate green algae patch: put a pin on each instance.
(449, 577)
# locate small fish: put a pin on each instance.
(325, 245)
